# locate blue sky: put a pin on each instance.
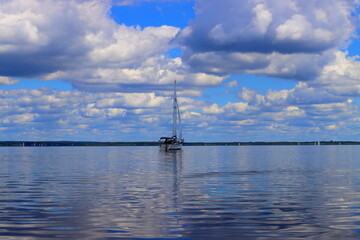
(249, 70)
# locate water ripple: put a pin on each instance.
(198, 193)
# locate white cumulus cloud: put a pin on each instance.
(290, 39)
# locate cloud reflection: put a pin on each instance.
(197, 193)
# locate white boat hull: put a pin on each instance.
(174, 147)
(167, 147)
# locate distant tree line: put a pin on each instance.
(94, 144)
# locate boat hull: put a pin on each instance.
(168, 147)
(174, 147)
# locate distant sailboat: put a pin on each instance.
(175, 142)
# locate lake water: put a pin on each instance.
(222, 192)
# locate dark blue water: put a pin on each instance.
(289, 192)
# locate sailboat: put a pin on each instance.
(175, 142)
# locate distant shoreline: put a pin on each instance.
(98, 144)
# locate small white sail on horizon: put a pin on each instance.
(175, 142)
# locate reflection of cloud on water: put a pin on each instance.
(140, 203)
(111, 193)
(195, 193)
(274, 201)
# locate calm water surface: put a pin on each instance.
(238, 192)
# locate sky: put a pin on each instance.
(250, 70)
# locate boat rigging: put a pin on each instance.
(175, 142)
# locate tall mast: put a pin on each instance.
(180, 127)
(175, 110)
